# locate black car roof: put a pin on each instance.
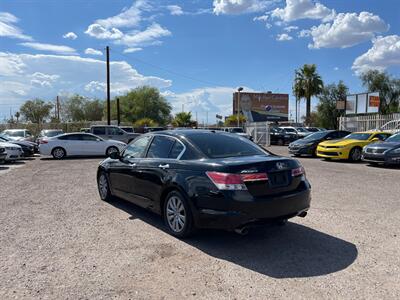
(186, 132)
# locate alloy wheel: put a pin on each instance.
(103, 186)
(111, 150)
(58, 153)
(176, 214)
(356, 154)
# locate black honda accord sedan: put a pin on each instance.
(205, 179)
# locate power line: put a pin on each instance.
(169, 71)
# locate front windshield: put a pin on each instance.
(290, 130)
(301, 129)
(394, 138)
(17, 133)
(316, 136)
(4, 137)
(358, 136)
(236, 130)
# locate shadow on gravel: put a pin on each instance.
(382, 166)
(290, 251)
(73, 158)
(3, 168)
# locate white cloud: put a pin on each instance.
(234, 7)
(304, 33)
(100, 32)
(131, 50)
(347, 29)
(27, 76)
(175, 10)
(263, 18)
(290, 28)
(303, 9)
(148, 36)
(70, 35)
(92, 51)
(384, 53)
(130, 17)
(283, 37)
(8, 29)
(49, 47)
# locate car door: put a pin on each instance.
(124, 172)
(72, 143)
(158, 168)
(100, 131)
(93, 145)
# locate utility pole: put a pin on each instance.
(118, 115)
(108, 86)
(58, 108)
(238, 103)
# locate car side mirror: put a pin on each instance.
(115, 155)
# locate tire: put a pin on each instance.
(177, 215)
(355, 154)
(110, 150)
(58, 153)
(103, 187)
(281, 142)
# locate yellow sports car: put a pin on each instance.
(349, 147)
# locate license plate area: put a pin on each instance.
(278, 179)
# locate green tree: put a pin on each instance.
(388, 88)
(145, 122)
(183, 119)
(17, 116)
(307, 84)
(93, 110)
(73, 108)
(142, 102)
(232, 120)
(36, 110)
(327, 114)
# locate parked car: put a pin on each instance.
(308, 145)
(19, 134)
(79, 144)
(238, 131)
(205, 179)
(279, 136)
(3, 154)
(47, 133)
(127, 129)
(387, 152)
(86, 130)
(152, 129)
(300, 131)
(313, 129)
(113, 133)
(13, 151)
(350, 147)
(28, 148)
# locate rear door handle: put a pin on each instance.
(165, 166)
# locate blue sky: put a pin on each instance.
(196, 52)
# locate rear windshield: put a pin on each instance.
(394, 138)
(52, 133)
(18, 133)
(316, 136)
(219, 145)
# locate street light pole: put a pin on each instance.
(238, 103)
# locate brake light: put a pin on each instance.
(227, 181)
(298, 171)
(43, 142)
(254, 177)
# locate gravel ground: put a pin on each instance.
(59, 241)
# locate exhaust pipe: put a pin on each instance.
(302, 214)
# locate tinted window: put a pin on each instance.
(99, 130)
(342, 134)
(127, 129)
(137, 148)
(71, 137)
(177, 149)
(51, 133)
(160, 147)
(17, 133)
(394, 138)
(218, 145)
(89, 137)
(115, 131)
(381, 136)
(358, 136)
(317, 136)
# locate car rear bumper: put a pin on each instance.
(381, 158)
(253, 212)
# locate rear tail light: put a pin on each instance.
(298, 171)
(228, 181)
(44, 141)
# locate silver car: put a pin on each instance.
(113, 133)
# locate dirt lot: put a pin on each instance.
(59, 241)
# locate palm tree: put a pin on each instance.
(183, 119)
(17, 115)
(307, 83)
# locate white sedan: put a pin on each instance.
(79, 144)
(13, 151)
